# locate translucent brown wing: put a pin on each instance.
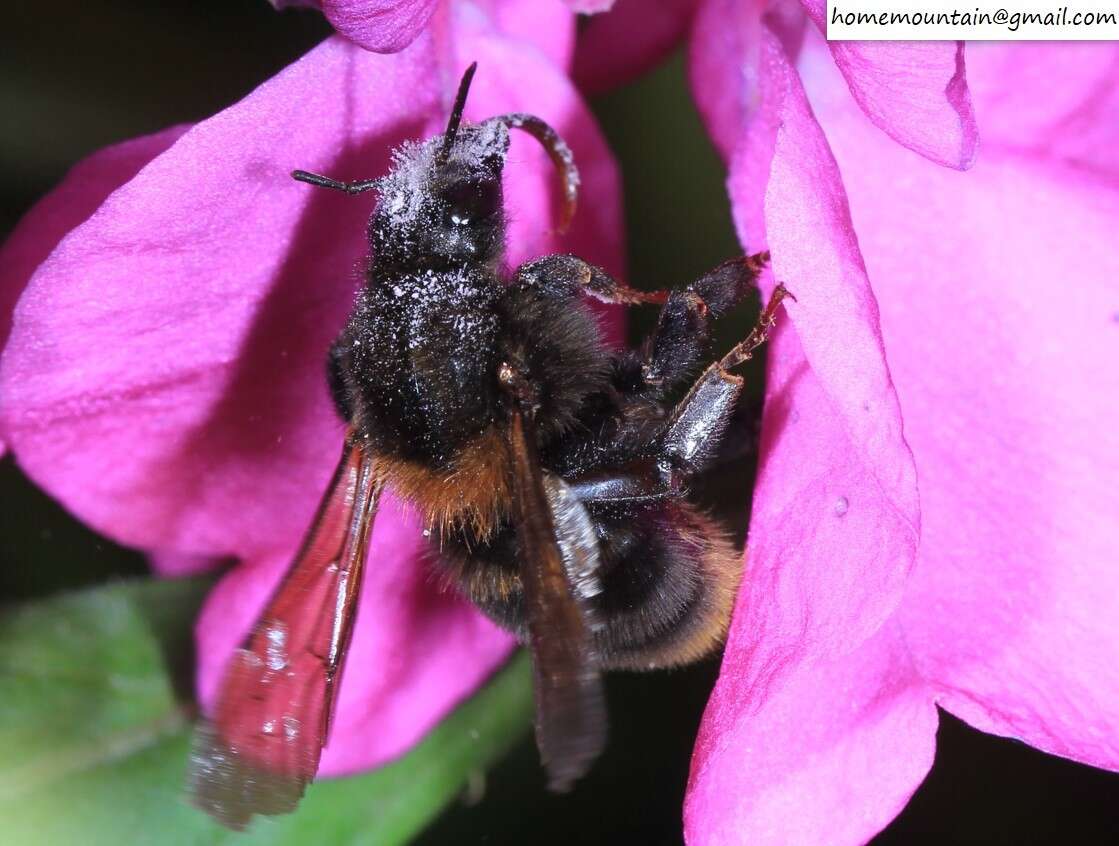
(559, 558)
(261, 746)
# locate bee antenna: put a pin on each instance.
(456, 114)
(559, 153)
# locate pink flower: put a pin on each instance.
(634, 37)
(934, 514)
(386, 26)
(163, 377)
(934, 518)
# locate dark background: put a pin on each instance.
(75, 76)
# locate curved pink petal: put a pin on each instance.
(914, 91)
(164, 374)
(416, 651)
(1021, 110)
(835, 519)
(589, 7)
(723, 62)
(1001, 314)
(546, 24)
(722, 68)
(836, 514)
(615, 48)
(831, 757)
(83, 189)
(383, 26)
(386, 26)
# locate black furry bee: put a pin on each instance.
(552, 471)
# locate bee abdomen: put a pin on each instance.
(669, 589)
(669, 578)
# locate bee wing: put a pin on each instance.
(261, 746)
(559, 560)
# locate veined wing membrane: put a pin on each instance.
(261, 746)
(558, 569)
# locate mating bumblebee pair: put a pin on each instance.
(553, 471)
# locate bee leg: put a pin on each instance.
(682, 338)
(672, 353)
(744, 350)
(641, 482)
(693, 431)
(728, 284)
(567, 276)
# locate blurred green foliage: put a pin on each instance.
(95, 722)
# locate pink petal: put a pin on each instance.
(1022, 111)
(547, 24)
(723, 61)
(835, 518)
(84, 189)
(830, 758)
(164, 376)
(635, 36)
(416, 651)
(1001, 315)
(722, 66)
(836, 515)
(172, 564)
(383, 26)
(914, 91)
(589, 7)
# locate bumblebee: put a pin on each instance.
(553, 472)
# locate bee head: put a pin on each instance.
(442, 203)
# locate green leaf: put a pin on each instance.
(95, 732)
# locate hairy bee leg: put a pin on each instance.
(726, 285)
(683, 335)
(744, 350)
(693, 432)
(682, 339)
(569, 276)
(689, 443)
